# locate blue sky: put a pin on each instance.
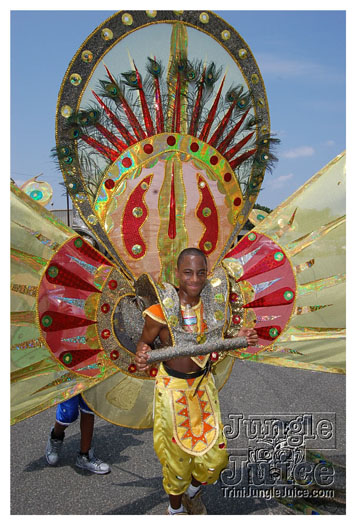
(301, 55)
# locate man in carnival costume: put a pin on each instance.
(188, 382)
(168, 152)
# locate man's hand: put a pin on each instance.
(250, 334)
(142, 356)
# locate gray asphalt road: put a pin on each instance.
(134, 486)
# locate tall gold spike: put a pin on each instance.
(301, 310)
(38, 235)
(320, 284)
(309, 333)
(278, 234)
(178, 53)
(23, 318)
(66, 378)
(33, 261)
(29, 344)
(35, 369)
(300, 244)
(24, 289)
(304, 266)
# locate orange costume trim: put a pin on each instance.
(156, 313)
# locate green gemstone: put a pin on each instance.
(273, 332)
(75, 79)
(137, 212)
(67, 358)
(47, 320)
(206, 212)
(53, 271)
(78, 243)
(36, 195)
(219, 316)
(288, 295)
(219, 298)
(173, 320)
(278, 256)
(136, 249)
(251, 236)
(168, 302)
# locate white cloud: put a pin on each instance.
(270, 64)
(302, 151)
(280, 181)
(295, 68)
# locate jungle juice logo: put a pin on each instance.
(269, 456)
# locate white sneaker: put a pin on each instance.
(91, 463)
(53, 449)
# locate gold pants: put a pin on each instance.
(187, 432)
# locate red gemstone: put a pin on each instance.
(114, 355)
(153, 372)
(173, 439)
(214, 356)
(171, 140)
(233, 297)
(237, 201)
(221, 445)
(112, 284)
(148, 148)
(236, 319)
(132, 368)
(227, 177)
(109, 184)
(105, 308)
(214, 160)
(194, 146)
(105, 334)
(126, 162)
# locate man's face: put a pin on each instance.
(192, 274)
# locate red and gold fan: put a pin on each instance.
(163, 139)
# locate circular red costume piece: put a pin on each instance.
(126, 162)
(109, 184)
(112, 284)
(105, 308)
(148, 148)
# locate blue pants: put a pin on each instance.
(68, 411)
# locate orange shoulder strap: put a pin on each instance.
(156, 313)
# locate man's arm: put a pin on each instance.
(250, 334)
(150, 331)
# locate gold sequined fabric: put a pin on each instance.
(187, 436)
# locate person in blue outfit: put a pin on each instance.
(68, 412)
